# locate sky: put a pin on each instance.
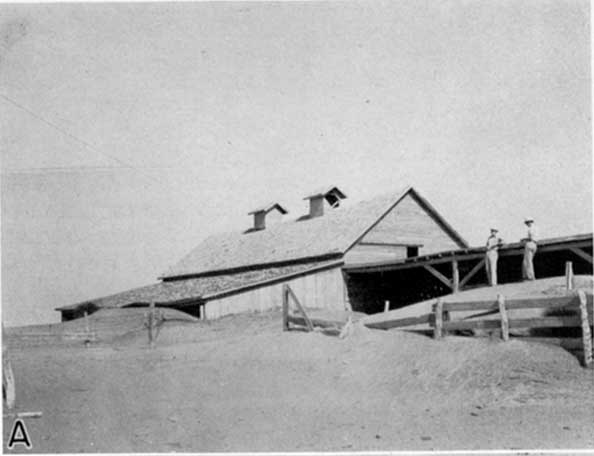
(130, 132)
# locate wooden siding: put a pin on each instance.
(369, 253)
(323, 290)
(409, 223)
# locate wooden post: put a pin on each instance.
(504, 320)
(438, 330)
(151, 321)
(586, 335)
(455, 277)
(568, 275)
(386, 306)
(301, 309)
(8, 380)
(285, 293)
(87, 330)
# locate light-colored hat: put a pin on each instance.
(528, 219)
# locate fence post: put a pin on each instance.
(438, 331)
(504, 320)
(386, 306)
(285, 293)
(568, 275)
(8, 383)
(446, 318)
(586, 335)
(87, 330)
(151, 320)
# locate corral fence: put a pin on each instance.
(574, 309)
(580, 303)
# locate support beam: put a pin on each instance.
(472, 272)
(438, 275)
(581, 254)
(455, 277)
(301, 309)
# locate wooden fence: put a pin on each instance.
(580, 302)
(303, 320)
(578, 307)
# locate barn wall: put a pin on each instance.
(409, 223)
(366, 253)
(324, 290)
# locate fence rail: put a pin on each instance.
(580, 302)
(570, 302)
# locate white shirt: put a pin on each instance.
(532, 233)
(493, 242)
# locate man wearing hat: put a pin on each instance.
(529, 249)
(493, 244)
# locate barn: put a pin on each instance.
(313, 253)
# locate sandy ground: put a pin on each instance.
(241, 384)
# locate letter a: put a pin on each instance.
(19, 435)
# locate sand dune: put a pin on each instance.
(241, 384)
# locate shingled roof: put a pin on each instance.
(178, 292)
(305, 238)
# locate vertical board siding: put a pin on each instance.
(320, 290)
(410, 223)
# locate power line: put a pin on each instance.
(85, 144)
(90, 168)
(64, 132)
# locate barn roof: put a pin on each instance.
(303, 239)
(193, 290)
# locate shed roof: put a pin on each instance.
(306, 238)
(179, 292)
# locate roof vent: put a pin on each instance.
(261, 213)
(330, 195)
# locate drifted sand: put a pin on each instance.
(241, 384)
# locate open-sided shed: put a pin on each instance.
(415, 279)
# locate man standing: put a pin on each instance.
(529, 249)
(493, 244)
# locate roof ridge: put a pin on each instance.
(301, 237)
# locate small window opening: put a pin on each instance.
(412, 251)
